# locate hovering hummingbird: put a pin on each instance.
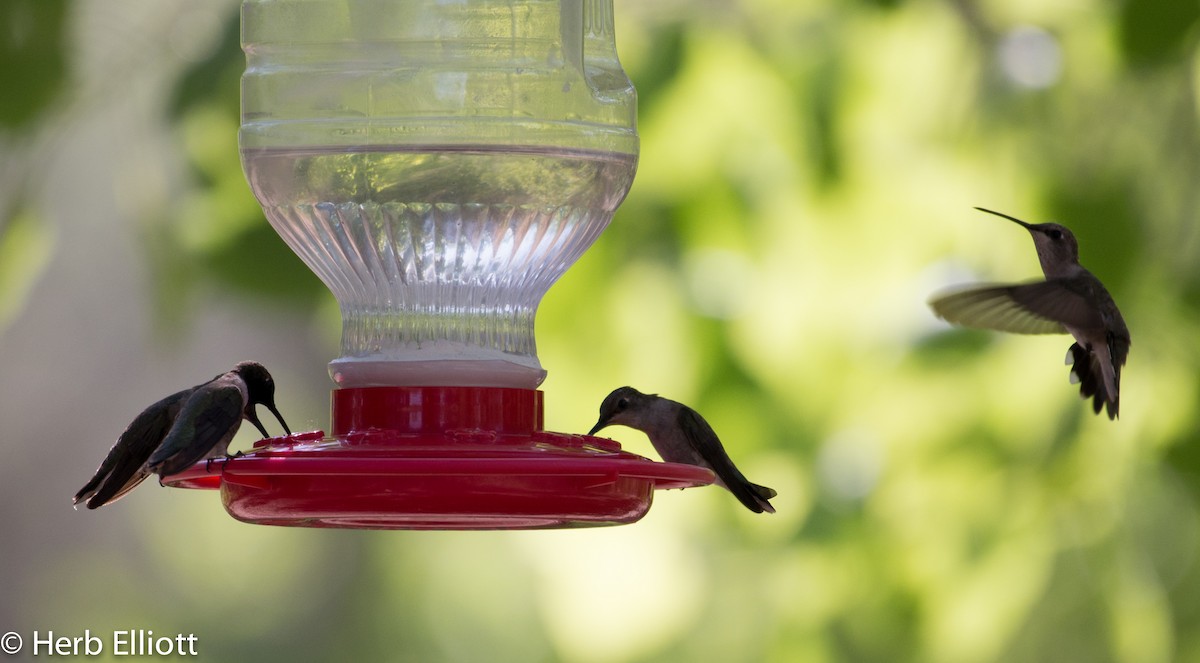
(680, 435)
(191, 425)
(1071, 300)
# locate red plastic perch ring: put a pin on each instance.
(438, 458)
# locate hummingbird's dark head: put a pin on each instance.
(621, 407)
(1055, 242)
(260, 388)
(1057, 250)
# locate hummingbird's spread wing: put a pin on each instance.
(122, 469)
(701, 437)
(1042, 307)
(1069, 301)
(209, 416)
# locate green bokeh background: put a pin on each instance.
(807, 175)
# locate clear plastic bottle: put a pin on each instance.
(438, 164)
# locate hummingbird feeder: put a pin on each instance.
(438, 165)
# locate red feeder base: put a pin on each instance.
(438, 458)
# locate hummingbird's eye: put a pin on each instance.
(622, 404)
(1055, 234)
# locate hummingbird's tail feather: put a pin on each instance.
(113, 491)
(127, 472)
(1118, 351)
(751, 495)
(117, 475)
(90, 487)
(763, 491)
(763, 494)
(109, 485)
(1087, 370)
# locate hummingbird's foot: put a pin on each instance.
(228, 456)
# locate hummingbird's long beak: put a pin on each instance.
(599, 424)
(1005, 216)
(252, 417)
(271, 407)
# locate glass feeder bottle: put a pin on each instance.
(438, 164)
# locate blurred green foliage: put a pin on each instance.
(806, 180)
(33, 59)
(217, 231)
(33, 75)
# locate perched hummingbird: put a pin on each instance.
(680, 435)
(1071, 300)
(171, 435)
